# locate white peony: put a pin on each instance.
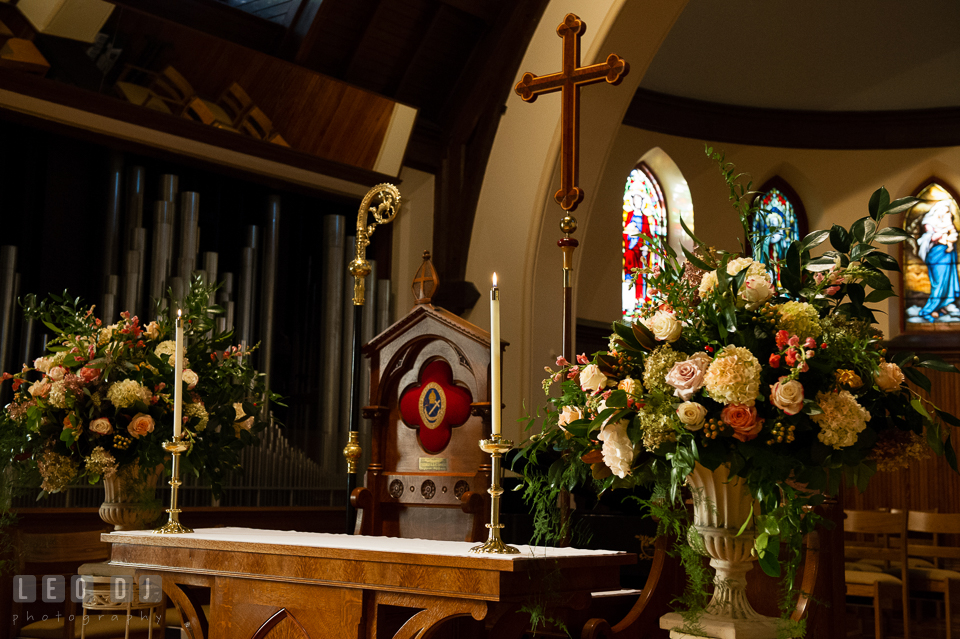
(617, 448)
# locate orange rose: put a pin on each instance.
(743, 420)
(140, 425)
(101, 426)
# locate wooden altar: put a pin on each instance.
(273, 584)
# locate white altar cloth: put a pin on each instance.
(205, 537)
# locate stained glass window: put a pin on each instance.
(644, 214)
(775, 226)
(931, 284)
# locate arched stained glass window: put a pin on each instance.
(644, 214)
(779, 222)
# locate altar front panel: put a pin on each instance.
(271, 584)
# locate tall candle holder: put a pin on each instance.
(173, 525)
(496, 446)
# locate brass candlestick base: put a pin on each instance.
(496, 446)
(173, 525)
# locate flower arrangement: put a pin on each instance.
(100, 401)
(787, 383)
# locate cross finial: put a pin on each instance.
(568, 81)
(426, 281)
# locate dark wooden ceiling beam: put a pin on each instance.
(862, 130)
(417, 55)
(486, 10)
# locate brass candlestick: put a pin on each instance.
(173, 525)
(496, 446)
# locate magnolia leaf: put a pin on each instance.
(879, 201)
(814, 239)
(617, 399)
(644, 336)
(627, 334)
(900, 205)
(607, 364)
(864, 229)
(947, 417)
(935, 363)
(878, 296)
(933, 437)
(950, 454)
(839, 238)
(822, 263)
(892, 235)
(879, 259)
(769, 555)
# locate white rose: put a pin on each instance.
(691, 415)
(787, 396)
(890, 377)
(56, 373)
(756, 291)
(152, 330)
(42, 364)
(190, 378)
(591, 379)
(664, 325)
(707, 283)
(568, 414)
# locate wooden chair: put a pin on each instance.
(939, 578)
(429, 393)
(889, 532)
(63, 554)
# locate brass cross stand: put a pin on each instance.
(568, 82)
(388, 198)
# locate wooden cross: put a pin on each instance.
(568, 81)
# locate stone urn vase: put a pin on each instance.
(130, 498)
(721, 505)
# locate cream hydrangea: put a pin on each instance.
(128, 392)
(657, 430)
(617, 449)
(101, 463)
(58, 395)
(800, 319)
(734, 376)
(658, 364)
(56, 470)
(199, 411)
(842, 419)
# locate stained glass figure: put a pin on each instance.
(931, 281)
(775, 226)
(644, 214)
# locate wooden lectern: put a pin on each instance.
(429, 404)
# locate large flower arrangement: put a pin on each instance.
(100, 401)
(788, 383)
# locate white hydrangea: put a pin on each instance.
(734, 376)
(842, 419)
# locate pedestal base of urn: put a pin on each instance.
(722, 627)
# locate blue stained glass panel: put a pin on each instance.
(774, 228)
(644, 213)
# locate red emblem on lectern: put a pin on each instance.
(435, 406)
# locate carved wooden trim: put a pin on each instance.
(435, 610)
(277, 617)
(191, 612)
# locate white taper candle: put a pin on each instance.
(178, 379)
(495, 356)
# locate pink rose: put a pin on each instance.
(88, 375)
(787, 396)
(686, 377)
(743, 420)
(101, 426)
(140, 425)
